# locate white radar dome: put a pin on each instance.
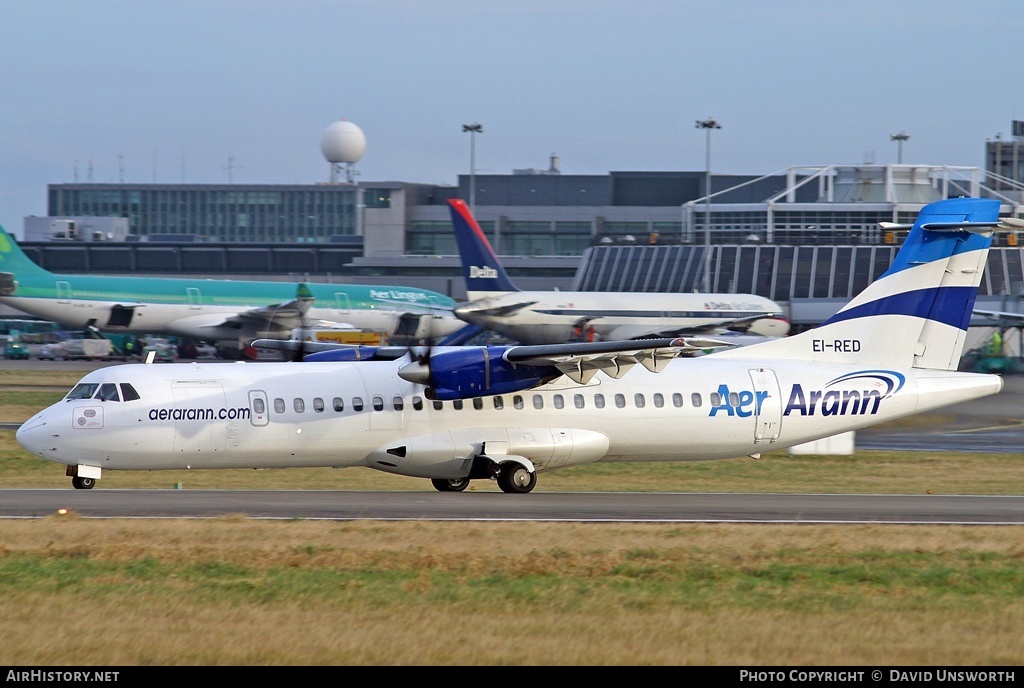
(343, 142)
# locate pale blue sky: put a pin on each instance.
(171, 90)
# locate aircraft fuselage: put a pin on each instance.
(553, 317)
(306, 414)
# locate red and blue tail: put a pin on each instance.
(484, 273)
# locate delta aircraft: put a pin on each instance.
(550, 317)
(230, 311)
(508, 413)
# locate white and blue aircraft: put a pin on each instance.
(453, 415)
(552, 317)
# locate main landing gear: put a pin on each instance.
(82, 483)
(512, 478)
(515, 478)
(454, 485)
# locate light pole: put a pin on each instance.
(707, 125)
(899, 139)
(473, 129)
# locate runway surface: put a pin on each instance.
(537, 506)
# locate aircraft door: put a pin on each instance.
(341, 303)
(195, 298)
(413, 327)
(768, 409)
(63, 291)
(259, 407)
(199, 407)
(120, 316)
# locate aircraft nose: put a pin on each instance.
(35, 436)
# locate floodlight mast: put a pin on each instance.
(473, 129)
(899, 139)
(707, 125)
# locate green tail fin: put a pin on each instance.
(13, 259)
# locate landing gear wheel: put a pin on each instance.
(454, 485)
(80, 483)
(516, 479)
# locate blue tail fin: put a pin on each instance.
(917, 313)
(484, 273)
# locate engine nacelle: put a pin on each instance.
(474, 371)
(769, 327)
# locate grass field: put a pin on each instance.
(238, 591)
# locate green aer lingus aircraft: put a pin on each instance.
(219, 311)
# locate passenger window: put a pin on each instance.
(677, 399)
(639, 400)
(659, 400)
(318, 404)
(83, 391)
(378, 403)
(716, 399)
(734, 399)
(339, 404)
(128, 392)
(578, 401)
(299, 405)
(279, 405)
(599, 400)
(258, 406)
(108, 392)
(620, 401)
(559, 402)
(695, 400)
(417, 403)
(357, 404)
(478, 404)
(538, 401)
(517, 401)
(457, 404)
(397, 403)
(438, 405)
(499, 403)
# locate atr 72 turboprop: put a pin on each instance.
(229, 311)
(507, 413)
(550, 317)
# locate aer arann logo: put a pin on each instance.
(855, 394)
(859, 394)
(486, 272)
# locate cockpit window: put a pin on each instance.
(83, 390)
(108, 392)
(128, 392)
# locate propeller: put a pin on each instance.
(420, 353)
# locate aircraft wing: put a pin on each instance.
(284, 316)
(464, 372)
(468, 308)
(741, 325)
(580, 362)
(1005, 316)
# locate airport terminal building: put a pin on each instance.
(808, 237)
